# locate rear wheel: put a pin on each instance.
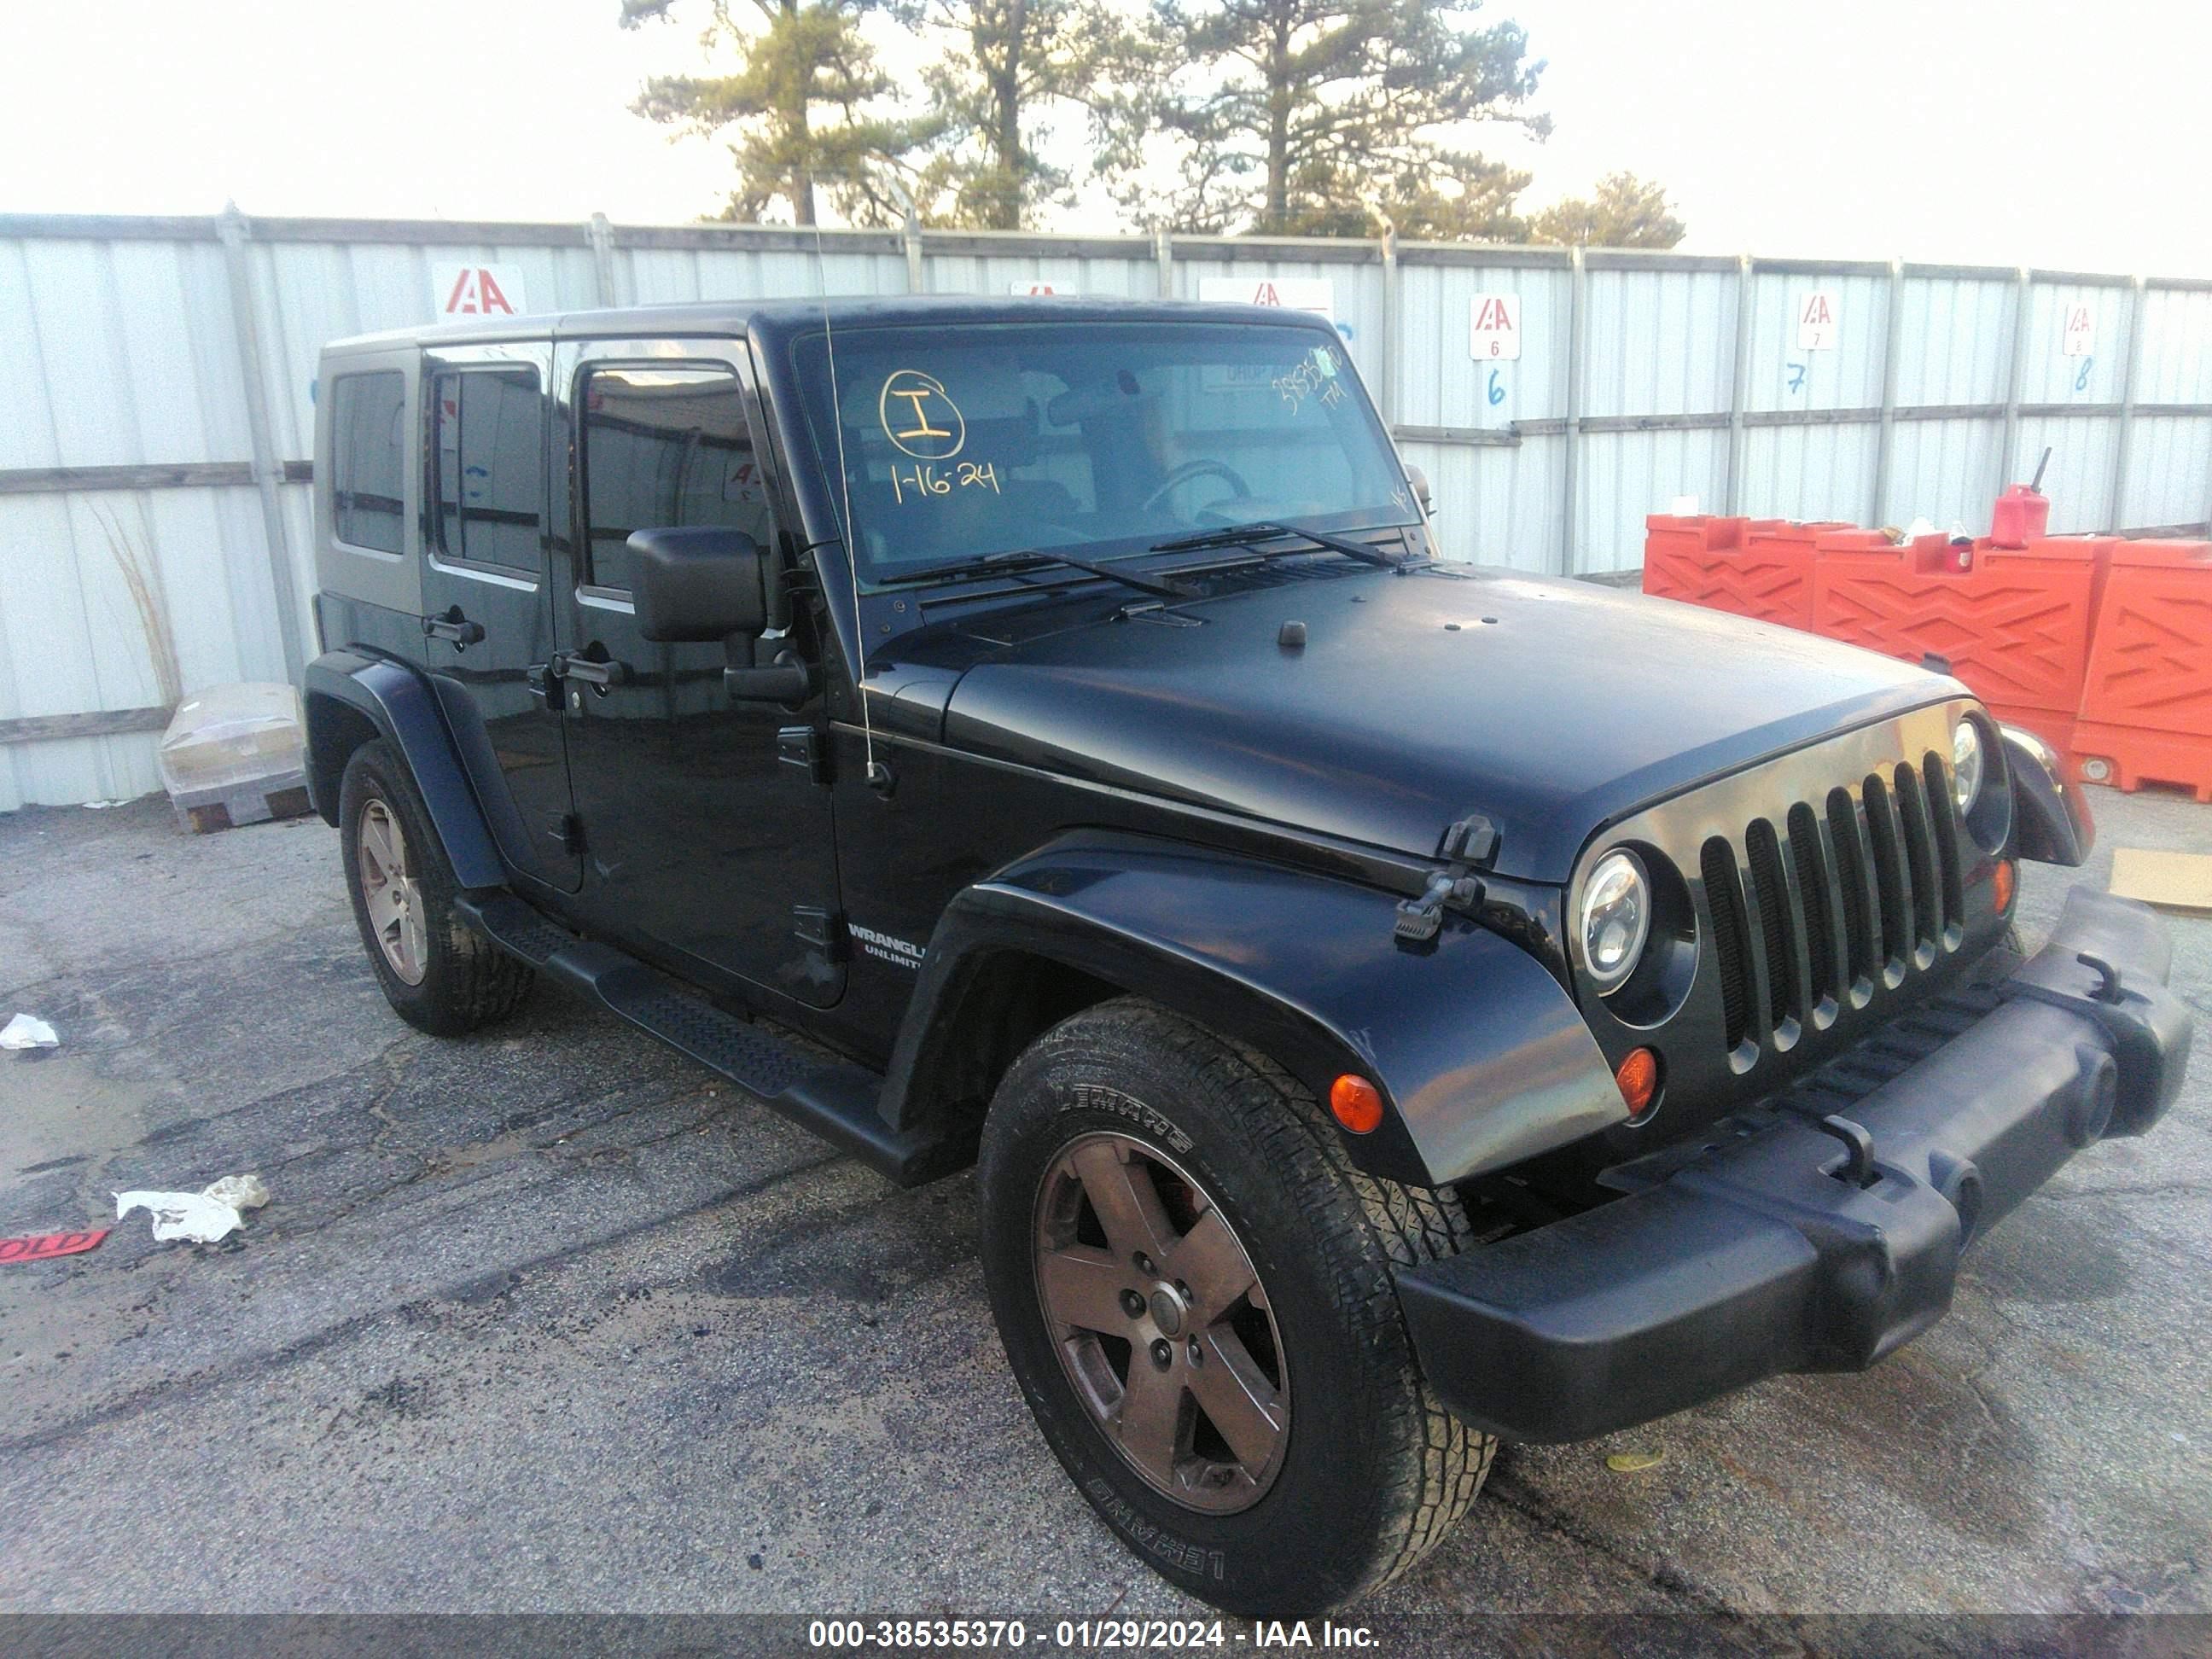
(1194, 1285)
(438, 973)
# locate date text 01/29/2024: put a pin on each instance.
(1083, 1633)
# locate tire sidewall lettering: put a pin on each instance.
(1100, 1097)
(1150, 1538)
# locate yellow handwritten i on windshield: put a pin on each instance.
(919, 416)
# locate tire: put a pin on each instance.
(1367, 1472)
(439, 975)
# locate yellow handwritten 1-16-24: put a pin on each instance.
(920, 417)
(920, 482)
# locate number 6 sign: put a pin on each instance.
(1494, 327)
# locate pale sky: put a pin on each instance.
(1997, 131)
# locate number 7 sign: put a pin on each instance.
(1818, 316)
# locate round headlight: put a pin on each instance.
(1616, 918)
(1965, 763)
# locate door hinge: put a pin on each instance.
(801, 746)
(819, 928)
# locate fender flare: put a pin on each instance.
(1481, 1056)
(2051, 817)
(343, 688)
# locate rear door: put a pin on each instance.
(488, 595)
(703, 842)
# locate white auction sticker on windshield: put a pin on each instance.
(1314, 293)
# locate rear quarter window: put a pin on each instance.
(488, 466)
(368, 458)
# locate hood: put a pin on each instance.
(1552, 707)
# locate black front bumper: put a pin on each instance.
(1755, 1248)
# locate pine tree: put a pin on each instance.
(1307, 116)
(1477, 208)
(1626, 212)
(1009, 67)
(805, 98)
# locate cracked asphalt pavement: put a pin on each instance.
(550, 1320)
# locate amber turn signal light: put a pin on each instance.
(1638, 1077)
(1357, 1102)
(2001, 884)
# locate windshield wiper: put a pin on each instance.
(1030, 559)
(1236, 535)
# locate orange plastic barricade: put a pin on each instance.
(1760, 568)
(2013, 623)
(2147, 699)
(1678, 553)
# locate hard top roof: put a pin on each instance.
(735, 316)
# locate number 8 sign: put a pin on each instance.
(1494, 327)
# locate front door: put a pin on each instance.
(701, 842)
(487, 591)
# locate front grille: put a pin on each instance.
(1824, 903)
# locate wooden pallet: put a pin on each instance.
(205, 811)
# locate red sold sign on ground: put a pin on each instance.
(43, 1247)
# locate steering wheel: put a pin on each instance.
(1180, 476)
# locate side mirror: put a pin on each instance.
(699, 583)
(1419, 480)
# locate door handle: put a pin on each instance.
(453, 626)
(599, 674)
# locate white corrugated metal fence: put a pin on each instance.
(155, 534)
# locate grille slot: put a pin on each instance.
(1824, 981)
(1943, 811)
(1776, 933)
(1892, 886)
(1920, 856)
(1716, 869)
(1854, 866)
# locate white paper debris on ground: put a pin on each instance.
(27, 1031)
(202, 1217)
(241, 1191)
(102, 806)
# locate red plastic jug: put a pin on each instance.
(2022, 515)
(2023, 512)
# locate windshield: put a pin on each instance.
(979, 439)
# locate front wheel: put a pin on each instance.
(1193, 1286)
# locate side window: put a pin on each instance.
(488, 466)
(368, 450)
(662, 445)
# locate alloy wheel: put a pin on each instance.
(1161, 1322)
(391, 891)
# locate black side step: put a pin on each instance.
(833, 1099)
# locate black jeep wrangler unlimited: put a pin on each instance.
(1394, 1005)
